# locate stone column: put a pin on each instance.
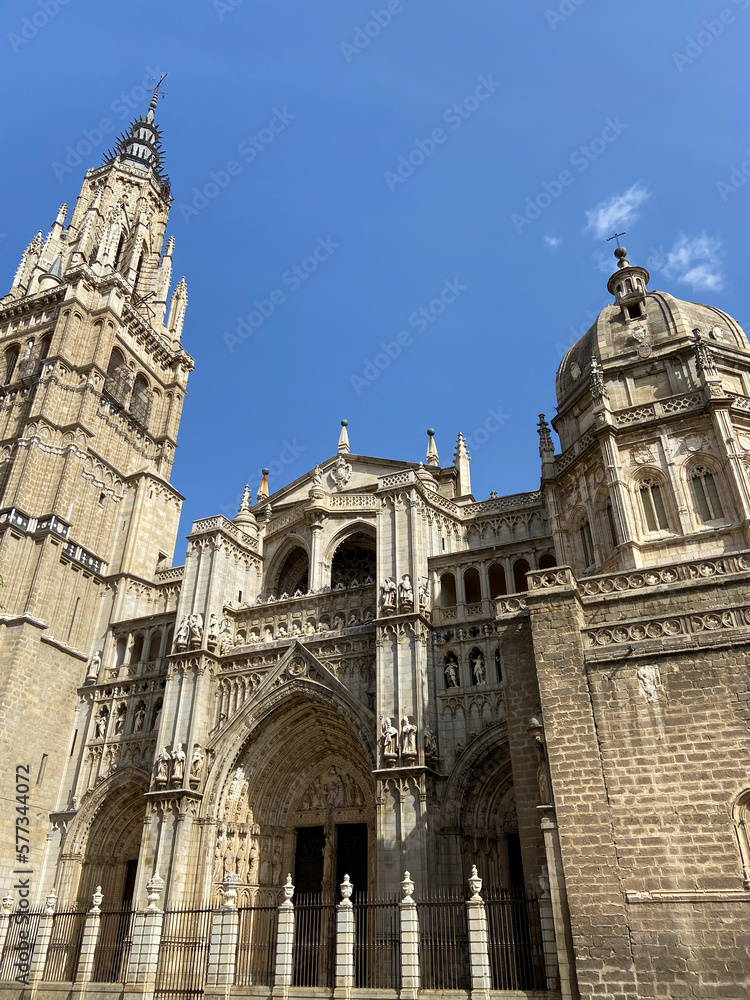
(90, 937)
(344, 941)
(479, 958)
(410, 979)
(38, 958)
(558, 904)
(284, 942)
(225, 932)
(147, 928)
(547, 922)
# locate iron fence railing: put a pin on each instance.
(113, 946)
(313, 955)
(377, 944)
(515, 941)
(256, 946)
(64, 946)
(444, 944)
(19, 943)
(183, 954)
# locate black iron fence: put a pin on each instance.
(377, 944)
(19, 944)
(444, 944)
(183, 954)
(256, 946)
(515, 941)
(113, 946)
(314, 951)
(64, 946)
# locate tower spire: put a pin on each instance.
(344, 438)
(461, 461)
(432, 453)
(141, 144)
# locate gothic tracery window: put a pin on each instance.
(653, 504)
(705, 493)
(354, 561)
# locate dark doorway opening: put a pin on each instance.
(308, 861)
(351, 856)
(128, 891)
(515, 864)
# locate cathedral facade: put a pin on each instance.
(369, 671)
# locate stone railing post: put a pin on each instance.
(410, 979)
(6, 908)
(285, 942)
(147, 928)
(90, 937)
(547, 921)
(224, 935)
(479, 958)
(38, 958)
(345, 941)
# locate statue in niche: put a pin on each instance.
(389, 738)
(101, 724)
(178, 764)
(225, 636)
(338, 622)
(195, 627)
(157, 717)
(268, 635)
(405, 595)
(265, 862)
(218, 853)
(196, 762)
(241, 856)
(213, 631)
(252, 861)
(388, 595)
(328, 862)
(281, 632)
(182, 636)
(309, 628)
(451, 670)
(161, 772)
(430, 744)
(335, 788)
(229, 854)
(93, 667)
(424, 598)
(295, 629)
(139, 719)
(122, 713)
(408, 738)
(276, 863)
(478, 669)
(542, 770)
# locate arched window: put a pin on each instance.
(547, 561)
(741, 817)
(520, 569)
(472, 586)
(136, 653)
(587, 542)
(44, 346)
(119, 378)
(447, 590)
(140, 405)
(354, 561)
(705, 493)
(11, 357)
(611, 523)
(498, 666)
(653, 504)
(294, 573)
(120, 248)
(498, 586)
(154, 646)
(122, 645)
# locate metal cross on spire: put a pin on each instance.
(155, 90)
(616, 237)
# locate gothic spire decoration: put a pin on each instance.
(245, 502)
(244, 517)
(344, 438)
(598, 388)
(546, 447)
(461, 461)
(141, 146)
(704, 359)
(432, 453)
(263, 488)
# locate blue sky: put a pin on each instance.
(466, 160)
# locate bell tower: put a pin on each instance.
(92, 381)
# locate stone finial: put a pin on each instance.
(544, 884)
(288, 890)
(704, 359)
(49, 903)
(7, 905)
(347, 889)
(407, 889)
(475, 883)
(245, 501)
(263, 488)
(244, 517)
(177, 309)
(154, 889)
(96, 900)
(598, 388)
(62, 213)
(461, 459)
(546, 447)
(432, 453)
(344, 438)
(229, 888)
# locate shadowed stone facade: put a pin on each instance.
(368, 671)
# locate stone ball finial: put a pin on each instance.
(264, 472)
(431, 432)
(344, 423)
(620, 252)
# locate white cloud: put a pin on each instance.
(615, 212)
(553, 242)
(696, 261)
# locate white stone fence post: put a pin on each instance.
(90, 937)
(38, 958)
(410, 979)
(224, 935)
(5, 911)
(147, 930)
(345, 940)
(479, 958)
(285, 942)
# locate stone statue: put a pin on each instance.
(101, 724)
(317, 476)
(405, 595)
(196, 762)
(309, 628)
(93, 667)
(157, 717)
(451, 671)
(195, 628)
(478, 668)
(140, 716)
(430, 743)
(388, 595)
(122, 712)
(341, 473)
(542, 773)
(183, 635)
(213, 630)
(276, 864)
(424, 598)
(178, 764)
(389, 738)
(408, 738)
(225, 636)
(161, 773)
